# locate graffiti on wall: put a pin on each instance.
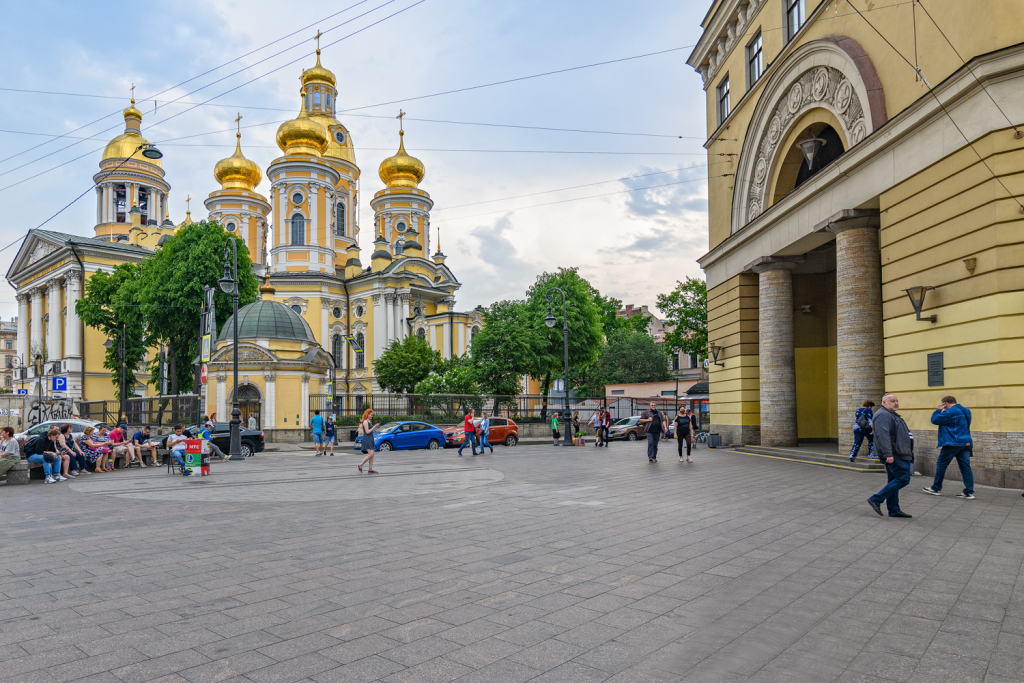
(49, 409)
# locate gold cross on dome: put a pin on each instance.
(188, 202)
(401, 115)
(318, 34)
(133, 93)
(238, 123)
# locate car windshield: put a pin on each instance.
(626, 421)
(387, 428)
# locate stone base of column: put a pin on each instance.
(736, 435)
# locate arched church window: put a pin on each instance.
(422, 334)
(340, 222)
(230, 227)
(307, 102)
(297, 308)
(337, 349)
(120, 197)
(144, 204)
(316, 100)
(327, 100)
(400, 247)
(473, 332)
(247, 392)
(298, 229)
(361, 355)
(359, 311)
(340, 137)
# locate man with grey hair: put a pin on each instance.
(895, 448)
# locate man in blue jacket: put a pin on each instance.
(955, 441)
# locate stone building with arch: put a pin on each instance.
(850, 165)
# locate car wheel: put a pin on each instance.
(632, 436)
(384, 446)
(247, 449)
(511, 440)
(434, 445)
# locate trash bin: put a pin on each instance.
(714, 440)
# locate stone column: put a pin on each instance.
(305, 402)
(860, 355)
(99, 205)
(325, 334)
(379, 331)
(403, 315)
(389, 318)
(775, 352)
(37, 324)
(221, 397)
(446, 335)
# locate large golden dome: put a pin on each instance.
(318, 74)
(236, 172)
(302, 135)
(402, 170)
(126, 144)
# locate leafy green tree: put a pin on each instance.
(630, 357)
(405, 364)
(172, 293)
(686, 308)
(611, 321)
(111, 305)
(586, 332)
(504, 347)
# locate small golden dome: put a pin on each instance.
(302, 135)
(402, 170)
(236, 172)
(318, 74)
(127, 143)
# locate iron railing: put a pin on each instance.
(442, 408)
(155, 411)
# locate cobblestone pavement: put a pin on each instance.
(532, 564)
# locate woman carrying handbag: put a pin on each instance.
(366, 429)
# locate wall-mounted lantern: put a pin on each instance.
(715, 350)
(917, 295)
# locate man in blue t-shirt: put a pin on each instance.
(317, 424)
(140, 441)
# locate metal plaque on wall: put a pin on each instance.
(935, 370)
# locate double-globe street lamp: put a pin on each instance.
(550, 321)
(229, 285)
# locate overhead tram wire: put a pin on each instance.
(1016, 129)
(483, 151)
(945, 111)
(223, 93)
(593, 196)
(235, 73)
(153, 97)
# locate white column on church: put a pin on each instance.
(282, 228)
(445, 340)
(99, 205)
(403, 316)
(73, 330)
(305, 402)
(460, 345)
(269, 416)
(37, 323)
(111, 203)
(314, 238)
(222, 392)
(379, 328)
(389, 318)
(23, 299)
(54, 345)
(325, 335)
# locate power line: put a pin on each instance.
(482, 151)
(945, 111)
(1016, 130)
(593, 196)
(173, 86)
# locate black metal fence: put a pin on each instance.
(149, 410)
(445, 408)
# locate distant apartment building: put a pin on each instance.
(8, 335)
(683, 366)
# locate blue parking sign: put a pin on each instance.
(23, 392)
(59, 384)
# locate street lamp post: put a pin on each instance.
(229, 285)
(550, 321)
(39, 387)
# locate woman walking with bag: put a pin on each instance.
(862, 427)
(683, 433)
(366, 429)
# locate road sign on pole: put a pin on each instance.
(203, 374)
(58, 384)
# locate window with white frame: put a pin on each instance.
(723, 100)
(339, 223)
(755, 60)
(298, 229)
(794, 17)
(361, 355)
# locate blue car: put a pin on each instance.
(394, 436)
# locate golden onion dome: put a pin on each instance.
(402, 170)
(127, 143)
(339, 140)
(318, 74)
(302, 135)
(236, 172)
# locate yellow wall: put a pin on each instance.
(732, 324)
(817, 398)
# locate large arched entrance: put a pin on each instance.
(250, 404)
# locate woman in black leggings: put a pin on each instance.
(683, 433)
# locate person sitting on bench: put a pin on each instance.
(204, 433)
(43, 450)
(176, 443)
(140, 441)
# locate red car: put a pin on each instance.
(503, 431)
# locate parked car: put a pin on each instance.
(407, 435)
(252, 439)
(77, 427)
(628, 429)
(503, 430)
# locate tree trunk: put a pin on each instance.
(172, 351)
(544, 387)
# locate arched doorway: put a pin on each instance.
(249, 404)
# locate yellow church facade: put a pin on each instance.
(304, 242)
(865, 207)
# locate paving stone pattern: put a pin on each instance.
(575, 565)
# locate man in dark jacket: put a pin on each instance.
(895, 448)
(955, 442)
(656, 424)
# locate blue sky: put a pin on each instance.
(631, 245)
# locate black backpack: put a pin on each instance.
(35, 446)
(864, 425)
